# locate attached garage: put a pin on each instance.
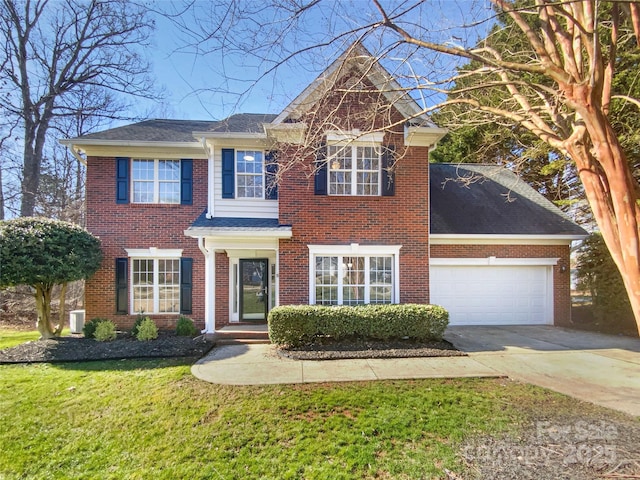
(493, 291)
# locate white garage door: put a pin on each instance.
(493, 295)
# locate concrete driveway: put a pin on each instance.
(598, 368)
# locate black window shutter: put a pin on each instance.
(186, 285)
(320, 177)
(228, 173)
(122, 292)
(388, 183)
(122, 180)
(186, 181)
(271, 176)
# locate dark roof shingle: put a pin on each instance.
(489, 199)
(164, 130)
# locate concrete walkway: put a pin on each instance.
(602, 369)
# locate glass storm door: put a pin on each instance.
(254, 289)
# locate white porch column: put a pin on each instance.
(209, 286)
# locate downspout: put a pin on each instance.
(209, 282)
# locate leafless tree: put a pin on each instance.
(557, 85)
(50, 51)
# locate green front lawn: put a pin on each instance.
(152, 419)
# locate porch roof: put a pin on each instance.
(237, 226)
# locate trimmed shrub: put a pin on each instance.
(136, 326)
(89, 328)
(147, 330)
(297, 325)
(185, 327)
(105, 331)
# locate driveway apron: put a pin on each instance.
(598, 368)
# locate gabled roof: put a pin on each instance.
(368, 65)
(473, 199)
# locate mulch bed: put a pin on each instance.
(76, 348)
(371, 349)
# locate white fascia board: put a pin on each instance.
(227, 233)
(423, 136)
(154, 252)
(479, 239)
(493, 261)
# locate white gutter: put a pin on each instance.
(76, 153)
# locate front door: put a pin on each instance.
(254, 289)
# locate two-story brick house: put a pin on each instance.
(332, 201)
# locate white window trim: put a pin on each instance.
(155, 181)
(154, 254)
(354, 249)
(236, 174)
(354, 145)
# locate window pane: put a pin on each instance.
(142, 285)
(353, 280)
(340, 164)
(368, 167)
(169, 170)
(169, 192)
(326, 274)
(381, 280)
(143, 192)
(249, 165)
(143, 169)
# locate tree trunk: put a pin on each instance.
(61, 314)
(43, 309)
(30, 176)
(611, 191)
(1, 195)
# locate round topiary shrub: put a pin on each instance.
(147, 330)
(105, 331)
(185, 327)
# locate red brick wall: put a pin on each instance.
(332, 220)
(139, 226)
(561, 281)
(222, 290)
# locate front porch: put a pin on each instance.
(241, 268)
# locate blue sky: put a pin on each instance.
(208, 86)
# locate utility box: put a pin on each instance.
(76, 321)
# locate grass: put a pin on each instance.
(153, 419)
(11, 338)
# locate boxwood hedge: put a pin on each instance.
(297, 325)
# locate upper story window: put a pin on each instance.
(250, 174)
(353, 170)
(355, 164)
(155, 181)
